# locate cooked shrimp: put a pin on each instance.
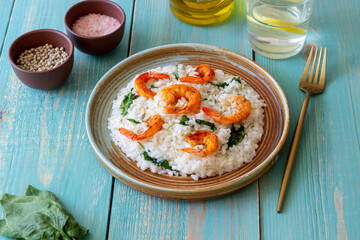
(154, 123)
(206, 74)
(173, 93)
(209, 139)
(140, 83)
(242, 111)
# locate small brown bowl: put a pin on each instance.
(45, 79)
(95, 45)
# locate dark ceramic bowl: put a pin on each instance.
(45, 79)
(95, 45)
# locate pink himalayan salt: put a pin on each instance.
(94, 25)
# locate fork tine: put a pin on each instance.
(307, 66)
(323, 69)
(317, 67)
(311, 77)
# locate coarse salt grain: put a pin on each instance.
(94, 25)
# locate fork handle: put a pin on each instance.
(292, 152)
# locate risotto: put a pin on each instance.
(163, 152)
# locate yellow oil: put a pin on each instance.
(202, 12)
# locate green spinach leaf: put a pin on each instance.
(164, 163)
(222, 85)
(38, 215)
(237, 79)
(7, 232)
(126, 102)
(183, 121)
(225, 84)
(236, 136)
(203, 122)
(177, 73)
(132, 120)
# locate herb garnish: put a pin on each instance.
(225, 84)
(177, 73)
(164, 163)
(237, 79)
(236, 136)
(126, 102)
(222, 85)
(203, 122)
(183, 121)
(132, 120)
(38, 215)
(153, 86)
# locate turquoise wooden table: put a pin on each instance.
(43, 140)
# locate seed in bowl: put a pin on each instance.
(95, 25)
(42, 58)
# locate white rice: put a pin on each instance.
(165, 144)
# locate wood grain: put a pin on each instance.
(43, 140)
(42, 133)
(322, 201)
(232, 217)
(5, 13)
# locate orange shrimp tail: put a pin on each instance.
(191, 79)
(196, 152)
(176, 110)
(154, 123)
(157, 76)
(213, 114)
(129, 134)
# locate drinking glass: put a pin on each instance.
(202, 12)
(277, 28)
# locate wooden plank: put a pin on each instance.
(5, 14)
(322, 201)
(139, 216)
(43, 140)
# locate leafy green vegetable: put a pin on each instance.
(152, 86)
(141, 145)
(38, 215)
(222, 85)
(183, 121)
(6, 231)
(236, 136)
(164, 163)
(203, 122)
(225, 84)
(237, 79)
(177, 73)
(132, 120)
(126, 102)
(170, 126)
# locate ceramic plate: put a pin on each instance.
(118, 165)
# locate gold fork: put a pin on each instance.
(311, 86)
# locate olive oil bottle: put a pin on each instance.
(202, 12)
